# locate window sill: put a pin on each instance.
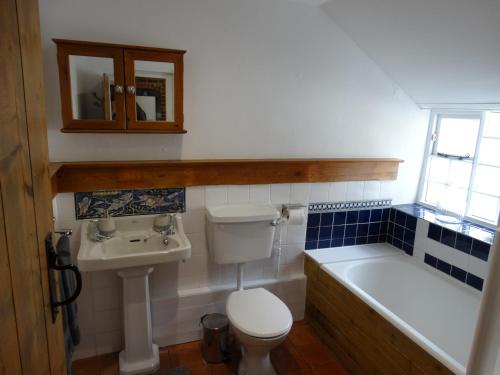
(476, 231)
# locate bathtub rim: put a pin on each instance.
(412, 333)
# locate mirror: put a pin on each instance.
(92, 87)
(154, 90)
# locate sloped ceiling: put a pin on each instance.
(438, 51)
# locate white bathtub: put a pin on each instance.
(435, 311)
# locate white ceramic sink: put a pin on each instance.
(133, 251)
(134, 244)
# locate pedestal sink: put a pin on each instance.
(133, 251)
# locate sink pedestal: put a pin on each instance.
(140, 355)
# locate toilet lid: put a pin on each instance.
(258, 313)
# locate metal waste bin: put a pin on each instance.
(214, 345)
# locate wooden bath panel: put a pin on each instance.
(364, 341)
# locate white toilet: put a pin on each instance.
(238, 234)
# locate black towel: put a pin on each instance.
(69, 311)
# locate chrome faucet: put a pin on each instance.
(168, 229)
(96, 234)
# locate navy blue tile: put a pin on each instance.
(474, 281)
(408, 249)
(411, 222)
(339, 218)
(361, 240)
(311, 245)
(376, 215)
(364, 216)
(313, 220)
(463, 243)
(443, 266)
(430, 260)
(480, 250)
(400, 218)
(448, 237)
(352, 217)
(326, 219)
(325, 233)
(349, 241)
(434, 232)
(397, 243)
(399, 232)
(312, 234)
(338, 231)
(392, 215)
(385, 214)
(323, 244)
(362, 230)
(374, 229)
(350, 230)
(372, 239)
(458, 273)
(409, 237)
(390, 228)
(390, 239)
(383, 227)
(382, 238)
(336, 242)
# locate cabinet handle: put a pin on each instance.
(118, 89)
(131, 90)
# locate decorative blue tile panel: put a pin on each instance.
(463, 243)
(466, 228)
(456, 272)
(90, 205)
(346, 224)
(401, 230)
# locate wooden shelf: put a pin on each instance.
(110, 175)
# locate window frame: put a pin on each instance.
(431, 149)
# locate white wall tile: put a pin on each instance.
(319, 192)
(280, 193)
(337, 191)
(195, 198)
(260, 193)
(371, 190)
(387, 189)
(477, 267)
(238, 194)
(296, 234)
(215, 195)
(300, 193)
(194, 221)
(355, 190)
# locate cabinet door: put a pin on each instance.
(154, 91)
(92, 82)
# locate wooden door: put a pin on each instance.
(30, 342)
(159, 72)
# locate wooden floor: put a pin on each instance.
(302, 353)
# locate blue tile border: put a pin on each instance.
(349, 205)
(455, 272)
(91, 205)
(476, 231)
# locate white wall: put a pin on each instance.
(263, 78)
(439, 51)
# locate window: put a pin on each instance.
(461, 173)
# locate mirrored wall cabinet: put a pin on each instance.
(111, 88)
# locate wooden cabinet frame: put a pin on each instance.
(123, 64)
(132, 124)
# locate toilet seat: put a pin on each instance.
(258, 313)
